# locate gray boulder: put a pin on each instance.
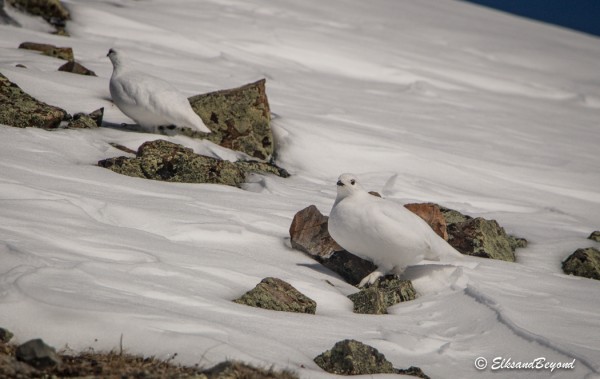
(277, 295)
(384, 293)
(595, 236)
(20, 110)
(37, 354)
(583, 262)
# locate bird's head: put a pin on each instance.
(114, 56)
(347, 184)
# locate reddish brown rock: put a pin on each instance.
(65, 53)
(76, 68)
(309, 234)
(432, 214)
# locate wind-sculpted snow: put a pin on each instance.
(429, 101)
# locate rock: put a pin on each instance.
(232, 369)
(351, 357)
(382, 294)
(10, 367)
(76, 68)
(167, 161)
(87, 121)
(5, 335)
(277, 295)
(50, 10)
(583, 262)
(65, 53)
(239, 119)
(37, 354)
(5, 18)
(595, 236)
(20, 110)
(309, 234)
(480, 237)
(374, 193)
(432, 214)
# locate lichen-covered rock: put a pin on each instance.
(53, 11)
(595, 236)
(309, 234)
(167, 161)
(76, 68)
(432, 215)
(382, 294)
(5, 335)
(37, 354)
(233, 369)
(20, 110)
(65, 53)
(277, 295)
(351, 357)
(87, 121)
(239, 119)
(583, 262)
(480, 237)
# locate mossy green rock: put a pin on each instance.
(480, 237)
(277, 295)
(382, 294)
(239, 119)
(583, 262)
(5, 335)
(20, 110)
(351, 357)
(167, 161)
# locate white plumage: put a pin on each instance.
(149, 101)
(382, 231)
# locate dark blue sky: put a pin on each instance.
(581, 15)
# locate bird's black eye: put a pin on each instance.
(352, 181)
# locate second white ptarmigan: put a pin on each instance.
(383, 231)
(149, 101)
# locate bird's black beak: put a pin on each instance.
(339, 183)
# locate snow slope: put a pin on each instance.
(435, 100)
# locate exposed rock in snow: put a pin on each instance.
(65, 53)
(76, 68)
(480, 237)
(21, 110)
(5, 335)
(167, 161)
(384, 293)
(53, 11)
(432, 214)
(278, 295)
(239, 119)
(37, 354)
(595, 236)
(351, 357)
(86, 121)
(583, 262)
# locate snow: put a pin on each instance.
(435, 100)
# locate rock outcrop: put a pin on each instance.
(384, 293)
(595, 236)
(583, 262)
(53, 11)
(76, 68)
(167, 161)
(309, 234)
(65, 53)
(480, 237)
(239, 119)
(87, 121)
(432, 215)
(37, 354)
(278, 295)
(21, 110)
(351, 357)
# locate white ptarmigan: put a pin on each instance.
(149, 101)
(383, 231)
